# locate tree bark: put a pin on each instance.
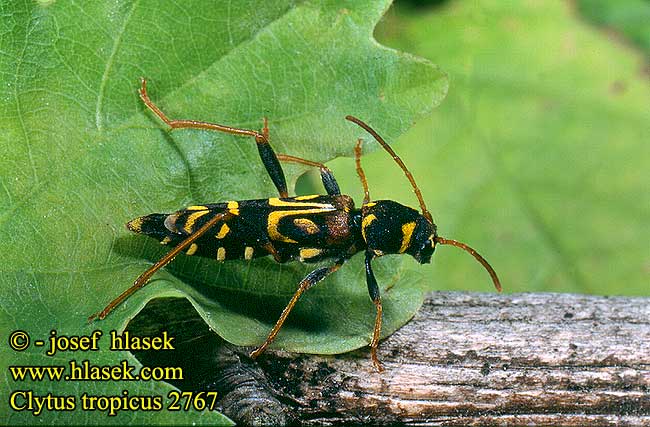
(467, 359)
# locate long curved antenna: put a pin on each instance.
(479, 258)
(380, 140)
(360, 172)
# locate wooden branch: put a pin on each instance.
(466, 359)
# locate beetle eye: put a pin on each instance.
(429, 244)
(423, 256)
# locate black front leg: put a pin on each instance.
(326, 175)
(373, 290)
(272, 165)
(310, 280)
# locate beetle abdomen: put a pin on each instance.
(305, 228)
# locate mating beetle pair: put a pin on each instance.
(304, 228)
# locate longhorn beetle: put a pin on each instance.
(305, 228)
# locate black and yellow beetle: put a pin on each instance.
(305, 228)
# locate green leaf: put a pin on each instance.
(538, 157)
(627, 17)
(81, 156)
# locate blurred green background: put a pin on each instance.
(539, 155)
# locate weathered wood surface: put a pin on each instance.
(464, 359)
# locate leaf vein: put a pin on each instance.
(109, 65)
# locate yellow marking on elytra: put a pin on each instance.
(248, 253)
(313, 196)
(221, 254)
(196, 208)
(365, 223)
(407, 233)
(370, 204)
(136, 225)
(233, 208)
(165, 240)
(306, 225)
(192, 249)
(273, 221)
(378, 252)
(307, 253)
(274, 201)
(223, 232)
(189, 224)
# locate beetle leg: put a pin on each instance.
(329, 182)
(326, 175)
(143, 279)
(268, 246)
(269, 159)
(373, 290)
(310, 280)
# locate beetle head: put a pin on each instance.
(389, 227)
(402, 229)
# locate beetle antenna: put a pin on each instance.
(380, 140)
(362, 175)
(479, 258)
